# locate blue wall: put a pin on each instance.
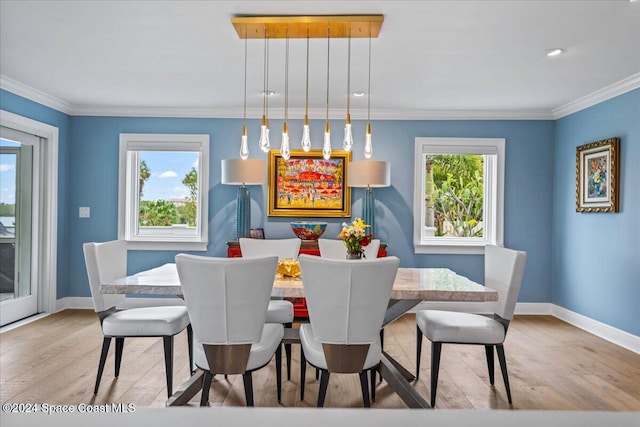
(94, 180)
(596, 256)
(89, 177)
(26, 108)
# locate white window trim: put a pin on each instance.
(462, 146)
(128, 190)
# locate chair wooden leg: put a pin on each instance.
(248, 388)
(106, 342)
(324, 382)
(372, 373)
(503, 367)
(365, 389)
(168, 363)
(489, 350)
(119, 348)
(436, 349)
(279, 372)
(303, 373)
(418, 351)
(287, 350)
(190, 343)
(206, 386)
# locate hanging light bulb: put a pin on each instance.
(244, 146)
(326, 147)
(306, 137)
(368, 146)
(264, 143)
(284, 146)
(347, 143)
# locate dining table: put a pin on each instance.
(411, 287)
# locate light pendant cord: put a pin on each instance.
(328, 51)
(306, 107)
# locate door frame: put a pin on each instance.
(47, 258)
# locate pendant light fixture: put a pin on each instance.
(264, 128)
(368, 147)
(347, 143)
(284, 146)
(244, 146)
(306, 137)
(326, 147)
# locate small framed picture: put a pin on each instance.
(598, 176)
(256, 233)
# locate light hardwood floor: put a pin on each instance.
(552, 365)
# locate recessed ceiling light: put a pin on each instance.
(267, 92)
(555, 52)
(358, 94)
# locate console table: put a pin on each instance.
(309, 247)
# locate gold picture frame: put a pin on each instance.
(598, 176)
(307, 185)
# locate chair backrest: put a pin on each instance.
(332, 249)
(503, 270)
(371, 250)
(226, 298)
(282, 248)
(105, 262)
(347, 299)
(335, 249)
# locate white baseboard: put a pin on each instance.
(604, 331)
(609, 333)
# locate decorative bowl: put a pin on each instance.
(308, 230)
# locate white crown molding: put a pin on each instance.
(613, 90)
(314, 113)
(34, 95)
(601, 95)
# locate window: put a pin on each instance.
(458, 194)
(163, 191)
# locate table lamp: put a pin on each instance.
(243, 172)
(369, 174)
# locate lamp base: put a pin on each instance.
(368, 210)
(243, 212)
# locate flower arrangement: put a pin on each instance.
(355, 236)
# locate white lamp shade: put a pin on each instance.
(247, 171)
(368, 173)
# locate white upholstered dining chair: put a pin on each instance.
(108, 261)
(279, 311)
(335, 249)
(347, 301)
(503, 269)
(227, 300)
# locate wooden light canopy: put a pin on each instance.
(316, 26)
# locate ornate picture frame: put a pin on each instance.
(598, 176)
(307, 185)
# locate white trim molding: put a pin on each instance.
(34, 95)
(601, 95)
(609, 333)
(48, 246)
(595, 327)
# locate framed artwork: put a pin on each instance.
(598, 176)
(307, 185)
(256, 233)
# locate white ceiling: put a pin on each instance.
(431, 55)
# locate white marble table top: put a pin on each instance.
(429, 284)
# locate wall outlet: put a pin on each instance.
(85, 212)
